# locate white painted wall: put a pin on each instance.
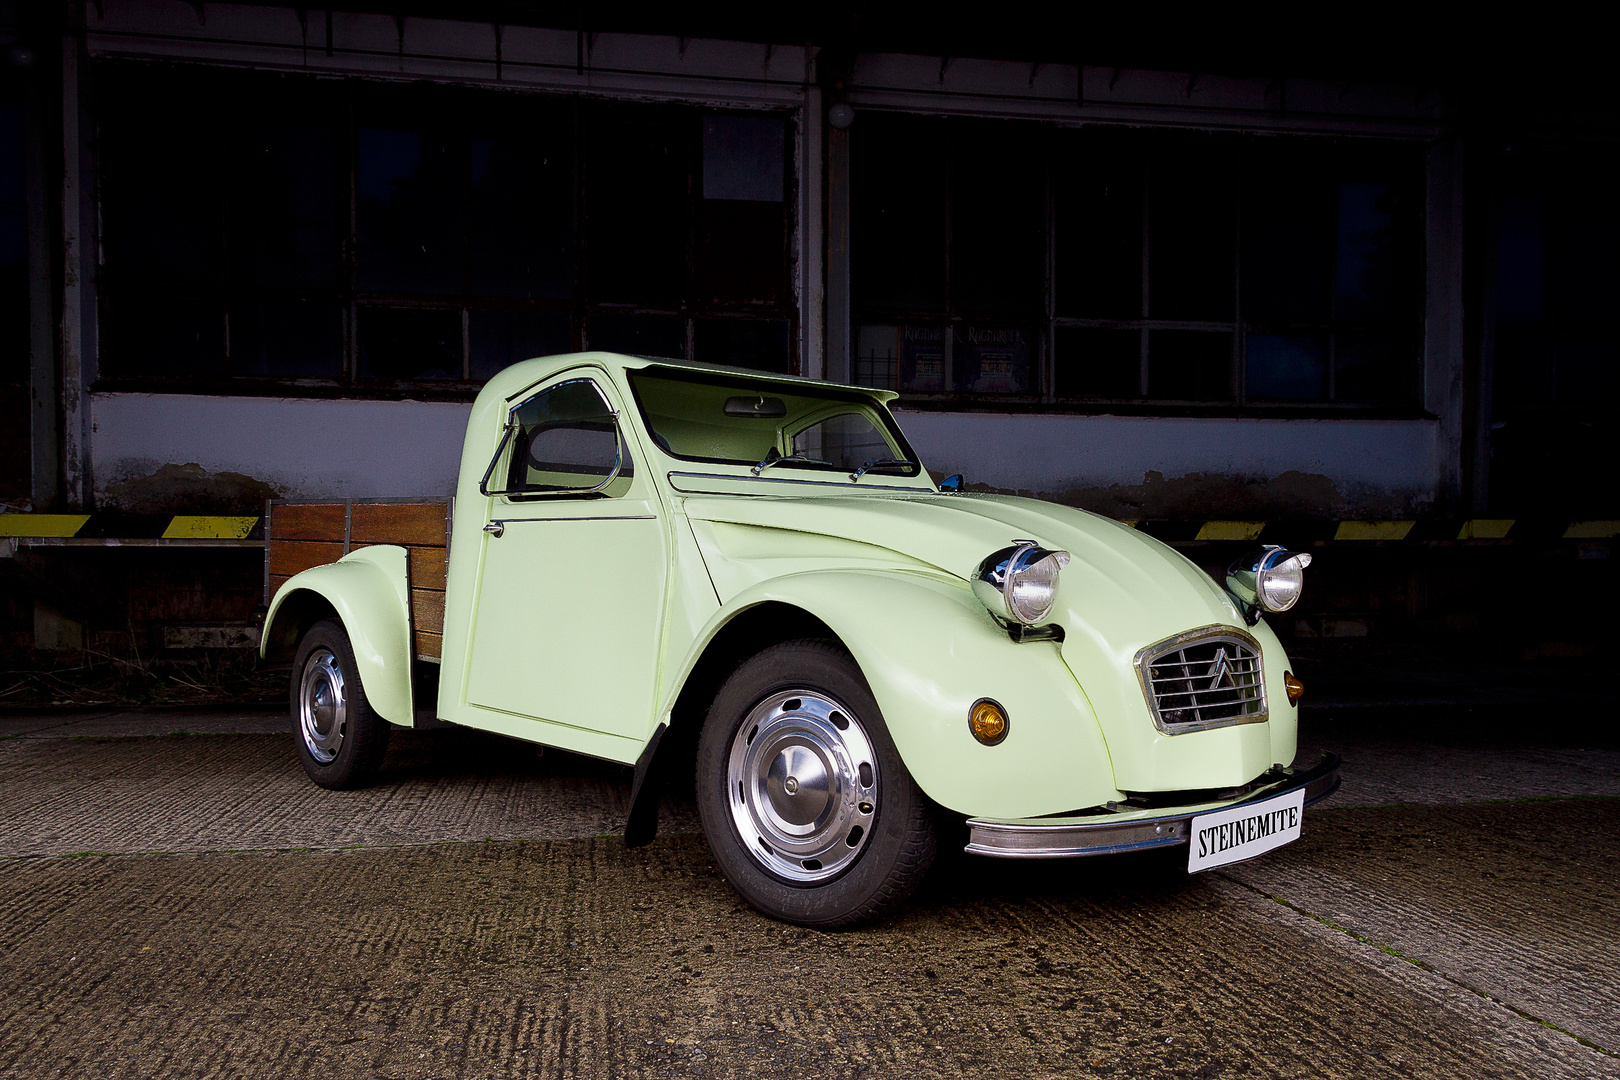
(1374, 464)
(304, 448)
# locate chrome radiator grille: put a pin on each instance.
(1203, 679)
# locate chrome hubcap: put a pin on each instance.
(322, 706)
(803, 785)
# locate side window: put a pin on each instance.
(567, 440)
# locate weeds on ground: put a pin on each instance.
(218, 677)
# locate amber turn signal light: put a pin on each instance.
(1295, 688)
(988, 721)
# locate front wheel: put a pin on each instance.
(805, 803)
(340, 740)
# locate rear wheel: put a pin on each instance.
(805, 802)
(340, 740)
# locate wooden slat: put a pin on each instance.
(275, 584)
(307, 521)
(288, 557)
(429, 643)
(427, 610)
(427, 566)
(399, 523)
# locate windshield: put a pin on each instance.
(742, 422)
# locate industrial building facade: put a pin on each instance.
(1080, 278)
(252, 251)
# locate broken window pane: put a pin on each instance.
(404, 343)
(500, 338)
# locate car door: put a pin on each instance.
(575, 561)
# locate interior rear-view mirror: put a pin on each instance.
(756, 407)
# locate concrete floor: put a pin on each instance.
(189, 905)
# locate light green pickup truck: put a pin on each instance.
(650, 560)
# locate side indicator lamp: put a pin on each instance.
(988, 721)
(1295, 688)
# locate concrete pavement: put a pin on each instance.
(1450, 914)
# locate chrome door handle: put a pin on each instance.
(495, 528)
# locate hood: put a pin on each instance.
(1120, 592)
(1120, 582)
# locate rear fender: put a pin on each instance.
(929, 651)
(369, 591)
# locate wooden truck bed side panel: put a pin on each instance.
(301, 535)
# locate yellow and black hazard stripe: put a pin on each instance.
(135, 530)
(1304, 531)
(116, 528)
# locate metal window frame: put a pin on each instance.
(350, 299)
(1042, 394)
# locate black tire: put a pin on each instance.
(340, 740)
(865, 845)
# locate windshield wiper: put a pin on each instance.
(877, 463)
(773, 458)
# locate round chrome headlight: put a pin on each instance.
(1019, 583)
(1272, 578)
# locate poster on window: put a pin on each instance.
(922, 358)
(992, 359)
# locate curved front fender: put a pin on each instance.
(368, 588)
(929, 651)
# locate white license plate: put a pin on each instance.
(1242, 832)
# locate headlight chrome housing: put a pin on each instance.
(1018, 584)
(1270, 579)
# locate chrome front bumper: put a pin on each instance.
(1109, 834)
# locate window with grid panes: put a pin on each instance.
(1187, 269)
(277, 228)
